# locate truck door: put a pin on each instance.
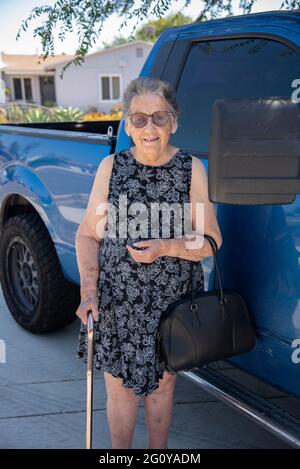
(261, 243)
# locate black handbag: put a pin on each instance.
(206, 326)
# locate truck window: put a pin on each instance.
(231, 68)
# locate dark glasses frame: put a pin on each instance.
(149, 115)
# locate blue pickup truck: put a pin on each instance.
(238, 86)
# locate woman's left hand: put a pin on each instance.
(152, 250)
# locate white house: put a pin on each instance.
(98, 83)
(27, 79)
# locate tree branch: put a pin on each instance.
(87, 18)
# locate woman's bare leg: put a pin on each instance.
(158, 409)
(122, 408)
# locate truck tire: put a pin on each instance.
(38, 296)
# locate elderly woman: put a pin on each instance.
(129, 279)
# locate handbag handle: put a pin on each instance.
(215, 252)
(214, 247)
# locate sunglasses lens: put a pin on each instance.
(139, 119)
(160, 118)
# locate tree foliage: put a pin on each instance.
(150, 31)
(117, 41)
(87, 18)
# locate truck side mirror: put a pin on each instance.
(254, 151)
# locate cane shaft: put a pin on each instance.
(89, 388)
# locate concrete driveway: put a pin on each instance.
(42, 388)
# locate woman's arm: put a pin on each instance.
(91, 229)
(179, 247)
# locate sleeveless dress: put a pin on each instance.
(132, 295)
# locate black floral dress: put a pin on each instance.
(132, 295)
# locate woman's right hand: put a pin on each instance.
(88, 302)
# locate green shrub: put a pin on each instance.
(36, 115)
(60, 114)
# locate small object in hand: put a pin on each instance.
(138, 248)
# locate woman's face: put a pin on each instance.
(148, 104)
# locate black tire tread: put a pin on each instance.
(59, 298)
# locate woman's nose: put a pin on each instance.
(149, 123)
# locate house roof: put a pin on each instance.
(14, 63)
(100, 52)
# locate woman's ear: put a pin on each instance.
(174, 126)
(127, 128)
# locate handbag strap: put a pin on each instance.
(215, 251)
(214, 247)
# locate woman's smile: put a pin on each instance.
(151, 140)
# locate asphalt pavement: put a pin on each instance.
(42, 405)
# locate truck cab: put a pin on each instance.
(257, 58)
(237, 81)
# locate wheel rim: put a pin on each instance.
(22, 275)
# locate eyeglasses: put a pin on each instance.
(159, 118)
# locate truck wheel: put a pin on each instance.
(38, 296)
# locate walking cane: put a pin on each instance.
(89, 387)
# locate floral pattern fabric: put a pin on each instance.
(132, 295)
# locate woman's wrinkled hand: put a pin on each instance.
(152, 250)
(88, 302)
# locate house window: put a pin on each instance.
(115, 87)
(17, 88)
(22, 89)
(139, 52)
(110, 88)
(28, 89)
(105, 88)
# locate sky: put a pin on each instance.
(12, 12)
